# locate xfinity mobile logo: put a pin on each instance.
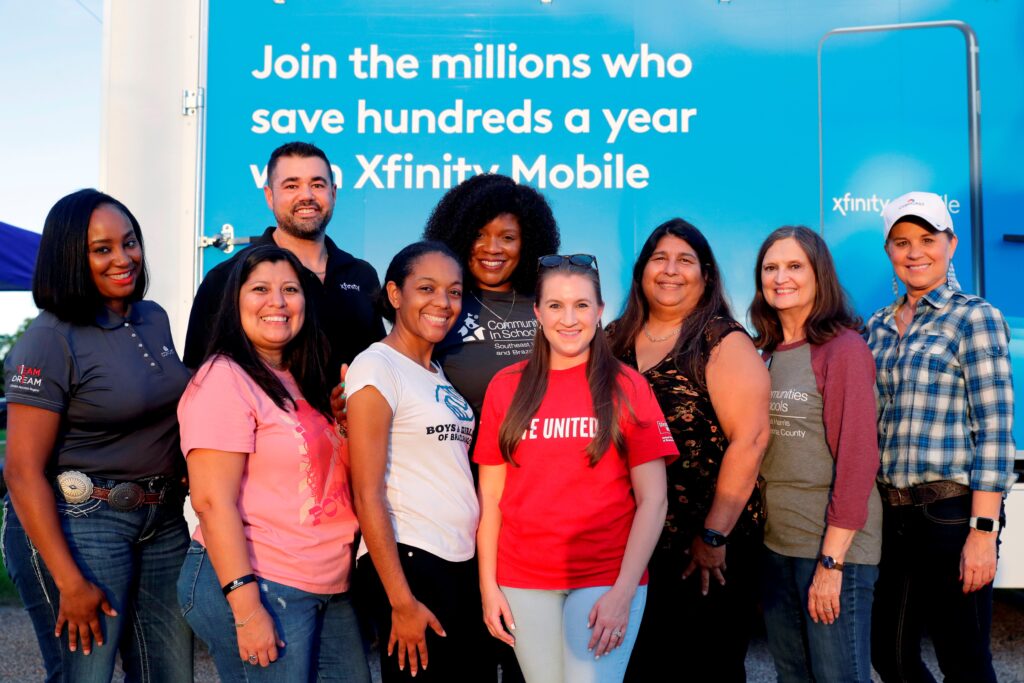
(847, 204)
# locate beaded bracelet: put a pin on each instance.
(238, 583)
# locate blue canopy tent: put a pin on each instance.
(18, 249)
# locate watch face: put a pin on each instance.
(713, 538)
(828, 562)
(984, 524)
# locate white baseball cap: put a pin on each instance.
(927, 206)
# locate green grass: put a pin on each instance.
(8, 593)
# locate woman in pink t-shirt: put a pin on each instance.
(265, 581)
(572, 448)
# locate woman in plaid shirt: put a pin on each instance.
(945, 420)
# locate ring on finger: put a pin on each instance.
(253, 659)
(616, 633)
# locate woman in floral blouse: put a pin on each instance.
(713, 388)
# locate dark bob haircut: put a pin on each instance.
(62, 283)
(831, 312)
(304, 356)
(401, 266)
(475, 202)
(303, 150)
(693, 346)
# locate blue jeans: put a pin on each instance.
(919, 589)
(552, 635)
(321, 632)
(804, 650)
(134, 558)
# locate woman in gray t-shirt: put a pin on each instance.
(93, 458)
(823, 531)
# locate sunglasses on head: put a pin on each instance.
(555, 260)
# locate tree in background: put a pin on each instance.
(7, 341)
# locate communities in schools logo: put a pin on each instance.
(849, 203)
(471, 330)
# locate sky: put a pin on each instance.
(50, 68)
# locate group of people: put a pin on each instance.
(498, 482)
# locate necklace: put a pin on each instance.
(495, 313)
(652, 338)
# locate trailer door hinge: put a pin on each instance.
(192, 101)
(225, 240)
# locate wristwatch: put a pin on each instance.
(829, 562)
(715, 539)
(986, 524)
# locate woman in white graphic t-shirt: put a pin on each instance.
(409, 437)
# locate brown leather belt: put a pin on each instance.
(124, 496)
(130, 498)
(922, 494)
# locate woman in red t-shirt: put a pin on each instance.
(572, 448)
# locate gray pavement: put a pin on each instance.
(20, 661)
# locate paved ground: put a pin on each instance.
(20, 662)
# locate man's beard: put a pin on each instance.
(305, 228)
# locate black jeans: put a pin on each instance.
(697, 637)
(451, 590)
(919, 587)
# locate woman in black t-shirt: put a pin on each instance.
(94, 513)
(498, 229)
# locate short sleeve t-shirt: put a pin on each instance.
(494, 330)
(429, 486)
(295, 499)
(565, 524)
(117, 383)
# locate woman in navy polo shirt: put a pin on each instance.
(94, 512)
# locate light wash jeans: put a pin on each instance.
(552, 635)
(321, 633)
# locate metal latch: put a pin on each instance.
(225, 240)
(192, 101)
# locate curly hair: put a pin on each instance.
(475, 202)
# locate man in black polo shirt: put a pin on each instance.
(301, 194)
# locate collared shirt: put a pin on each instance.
(344, 303)
(945, 393)
(116, 383)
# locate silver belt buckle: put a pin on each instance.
(74, 486)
